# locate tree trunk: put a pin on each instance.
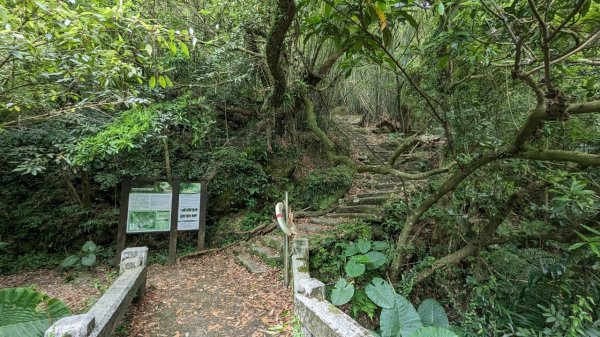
(86, 191)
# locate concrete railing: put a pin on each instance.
(102, 319)
(319, 318)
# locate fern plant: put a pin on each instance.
(27, 313)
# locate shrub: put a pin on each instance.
(322, 188)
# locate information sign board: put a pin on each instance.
(149, 208)
(189, 206)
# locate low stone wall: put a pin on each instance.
(319, 317)
(105, 315)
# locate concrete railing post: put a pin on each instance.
(318, 316)
(105, 315)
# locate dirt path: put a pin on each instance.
(211, 296)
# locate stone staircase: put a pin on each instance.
(262, 252)
(368, 192)
(362, 202)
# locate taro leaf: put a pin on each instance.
(361, 258)
(354, 269)
(88, 260)
(342, 293)
(381, 293)
(23, 314)
(70, 261)
(364, 246)
(376, 259)
(352, 249)
(433, 332)
(401, 320)
(89, 247)
(433, 314)
(380, 245)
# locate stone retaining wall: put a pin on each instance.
(107, 313)
(319, 317)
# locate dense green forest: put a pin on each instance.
(503, 230)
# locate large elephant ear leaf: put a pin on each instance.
(431, 331)
(381, 293)
(342, 293)
(401, 320)
(27, 313)
(433, 314)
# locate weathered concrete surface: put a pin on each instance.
(72, 326)
(106, 314)
(252, 265)
(323, 319)
(111, 307)
(319, 318)
(299, 262)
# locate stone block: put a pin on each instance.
(130, 263)
(300, 246)
(72, 326)
(131, 252)
(312, 288)
(323, 319)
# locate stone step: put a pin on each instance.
(355, 216)
(389, 186)
(358, 209)
(251, 263)
(309, 228)
(380, 193)
(269, 255)
(273, 241)
(325, 221)
(376, 200)
(380, 178)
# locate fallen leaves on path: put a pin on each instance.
(211, 296)
(79, 293)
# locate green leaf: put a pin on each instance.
(376, 259)
(380, 245)
(401, 320)
(576, 245)
(169, 83)
(433, 332)
(149, 49)
(173, 47)
(162, 81)
(21, 312)
(342, 293)
(152, 82)
(381, 293)
(433, 314)
(591, 229)
(88, 260)
(351, 250)
(409, 18)
(364, 245)
(441, 9)
(328, 10)
(70, 261)
(89, 247)
(184, 49)
(361, 258)
(354, 269)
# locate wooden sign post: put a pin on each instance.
(159, 206)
